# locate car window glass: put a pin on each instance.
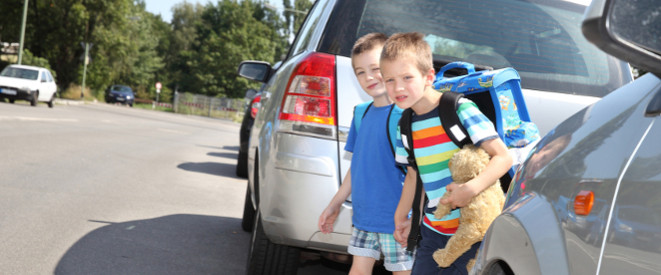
(306, 31)
(638, 22)
(44, 78)
(542, 40)
(20, 73)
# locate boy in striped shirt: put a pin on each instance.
(407, 69)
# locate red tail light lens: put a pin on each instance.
(254, 106)
(310, 96)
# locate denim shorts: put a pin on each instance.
(370, 244)
(430, 242)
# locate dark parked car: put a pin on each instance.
(252, 106)
(606, 159)
(120, 94)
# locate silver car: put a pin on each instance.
(296, 160)
(588, 199)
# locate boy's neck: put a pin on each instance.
(381, 100)
(428, 102)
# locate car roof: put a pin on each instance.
(26, 67)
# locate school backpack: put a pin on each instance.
(497, 93)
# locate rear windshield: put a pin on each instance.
(541, 40)
(20, 73)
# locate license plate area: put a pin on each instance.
(8, 91)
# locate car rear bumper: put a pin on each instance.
(297, 183)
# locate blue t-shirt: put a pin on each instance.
(376, 181)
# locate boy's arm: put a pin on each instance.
(500, 163)
(329, 215)
(402, 222)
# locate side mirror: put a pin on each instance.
(629, 30)
(250, 93)
(255, 70)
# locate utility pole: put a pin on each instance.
(25, 16)
(86, 60)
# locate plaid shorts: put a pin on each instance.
(370, 244)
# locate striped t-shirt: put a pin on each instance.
(433, 149)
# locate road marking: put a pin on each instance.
(21, 118)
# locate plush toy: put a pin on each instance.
(476, 217)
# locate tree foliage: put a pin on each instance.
(198, 51)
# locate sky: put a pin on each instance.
(164, 7)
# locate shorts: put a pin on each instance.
(370, 244)
(430, 242)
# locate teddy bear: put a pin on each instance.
(476, 217)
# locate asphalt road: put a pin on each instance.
(107, 189)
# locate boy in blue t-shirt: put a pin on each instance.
(373, 180)
(408, 72)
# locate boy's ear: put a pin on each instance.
(430, 77)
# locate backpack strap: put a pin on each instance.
(359, 112)
(407, 140)
(393, 120)
(447, 112)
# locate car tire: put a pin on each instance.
(248, 213)
(265, 257)
(242, 165)
(33, 101)
(11, 101)
(499, 268)
(50, 102)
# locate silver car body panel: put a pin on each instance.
(614, 152)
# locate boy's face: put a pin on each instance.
(367, 70)
(404, 82)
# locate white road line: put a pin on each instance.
(20, 118)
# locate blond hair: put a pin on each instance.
(409, 45)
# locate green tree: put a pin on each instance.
(229, 33)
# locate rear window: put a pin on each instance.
(541, 40)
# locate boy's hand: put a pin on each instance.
(327, 219)
(460, 194)
(401, 233)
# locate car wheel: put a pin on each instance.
(499, 268)
(33, 101)
(248, 213)
(265, 257)
(11, 101)
(50, 102)
(242, 165)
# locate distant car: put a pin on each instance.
(252, 97)
(120, 94)
(603, 163)
(34, 84)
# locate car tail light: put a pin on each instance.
(583, 202)
(254, 106)
(309, 106)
